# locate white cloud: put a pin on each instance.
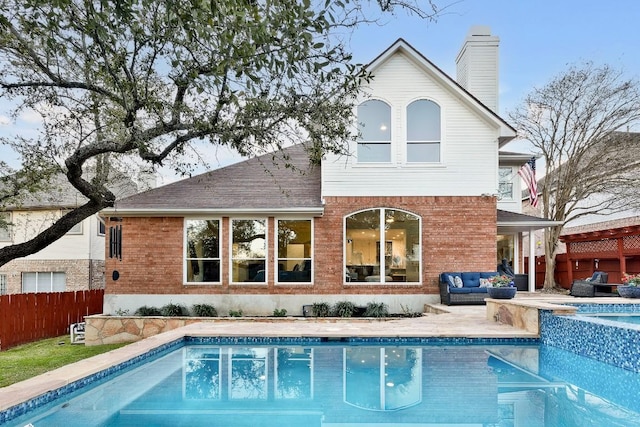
(4, 120)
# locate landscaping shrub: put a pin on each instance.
(204, 310)
(148, 311)
(280, 312)
(344, 309)
(235, 313)
(376, 309)
(407, 312)
(320, 309)
(173, 310)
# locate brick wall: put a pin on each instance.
(81, 275)
(458, 234)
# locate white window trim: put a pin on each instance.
(275, 251)
(38, 273)
(266, 255)
(514, 175)
(184, 255)
(391, 162)
(383, 282)
(405, 117)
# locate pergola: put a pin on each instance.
(622, 244)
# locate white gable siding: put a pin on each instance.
(469, 150)
(27, 224)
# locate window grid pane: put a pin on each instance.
(202, 258)
(294, 251)
(374, 127)
(248, 250)
(382, 254)
(3, 284)
(423, 132)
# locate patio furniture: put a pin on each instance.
(588, 287)
(470, 290)
(76, 331)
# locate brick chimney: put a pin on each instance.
(477, 65)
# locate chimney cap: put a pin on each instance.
(479, 30)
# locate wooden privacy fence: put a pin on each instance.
(30, 317)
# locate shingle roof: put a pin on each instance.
(61, 194)
(274, 181)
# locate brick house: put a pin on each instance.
(75, 262)
(418, 196)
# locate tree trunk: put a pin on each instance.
(551, 237)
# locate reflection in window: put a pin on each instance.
(201, 375)
(423, 131)
(383, 379)
(294, 250)
(374, 127)
(202, 258)
(248, 250)
(505, 183)
(399, 255)
(294, 373)
(248, 373)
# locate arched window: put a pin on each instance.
(382, 246)
(423, 132)
(374, 127)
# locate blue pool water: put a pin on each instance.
(209, 382)
(624, 318)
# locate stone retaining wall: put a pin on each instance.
(101, 329)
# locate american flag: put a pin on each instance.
(528, 174)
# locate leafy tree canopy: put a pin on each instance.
(114, 80)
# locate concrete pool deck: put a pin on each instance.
(469, 321)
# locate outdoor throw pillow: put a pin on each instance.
(484, 283)
(452, 283)
(458, 281)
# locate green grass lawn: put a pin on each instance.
(28, 360)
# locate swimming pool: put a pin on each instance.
(308, 382)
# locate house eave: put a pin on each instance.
(520, 226)
(144, 212)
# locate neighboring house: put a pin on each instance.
(72, 263)
(417, 197)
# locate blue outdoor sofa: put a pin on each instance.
(471, 291)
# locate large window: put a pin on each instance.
(505, 183)
(202, 256)
(5, 227)
(382, 245)
(423, 132)
(294, 251)
(44, 282)
(248, 250)
(374, 127)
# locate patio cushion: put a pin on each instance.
(471, 279)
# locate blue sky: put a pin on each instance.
(538, 40)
